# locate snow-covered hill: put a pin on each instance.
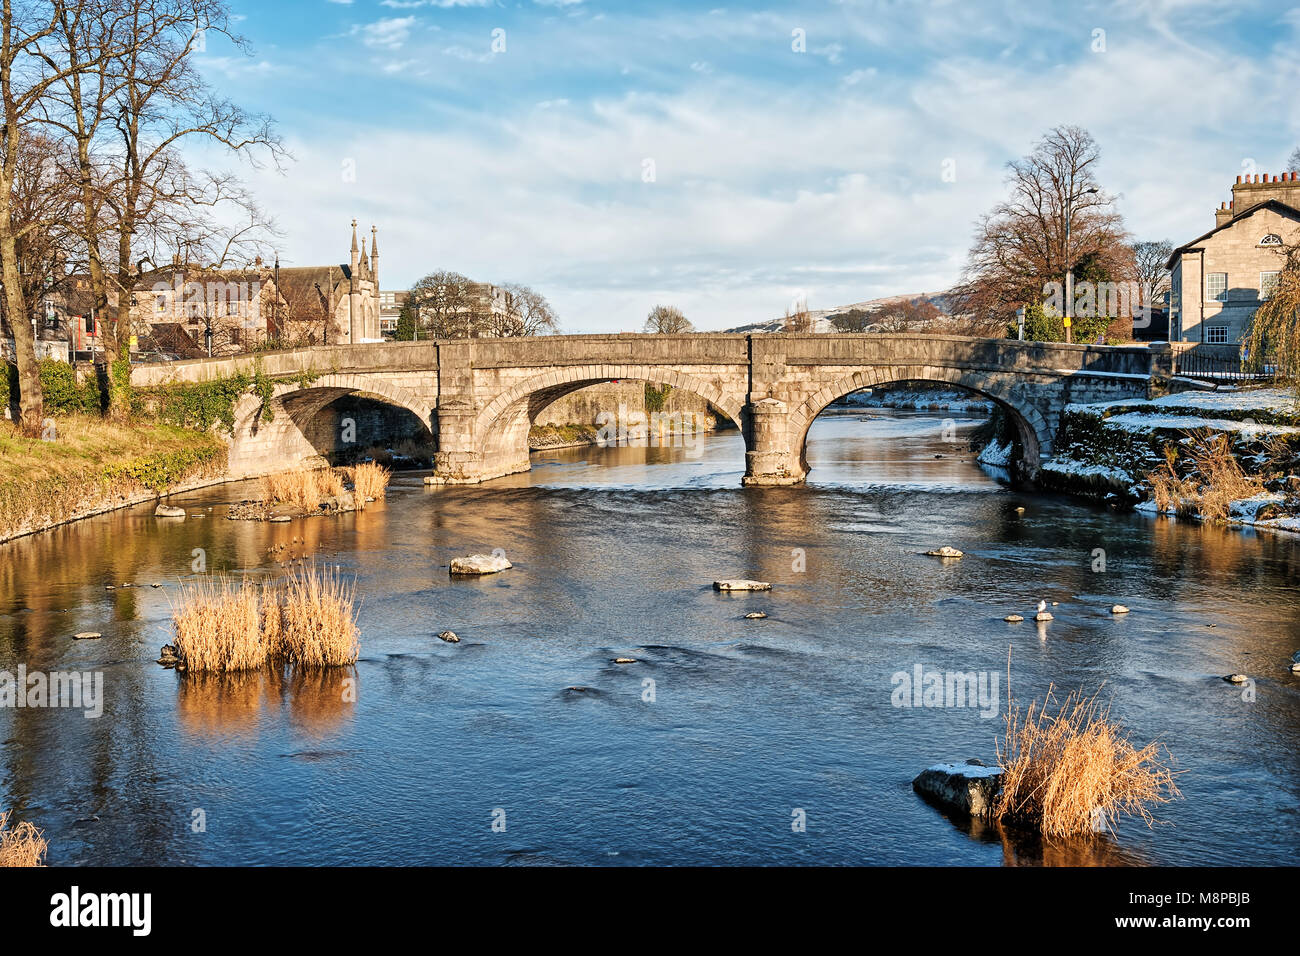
(822, 318)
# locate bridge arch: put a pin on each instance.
(259, 447)
(502, 426)
(1032, 428)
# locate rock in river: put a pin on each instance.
(86, 636)
(740, 584)
(480, 564)
(946, 552)
(1237, 678)
(449, 636)
(168, 511)
(967, 787)
(1014, 618)
(1119, 609)
(755, 616)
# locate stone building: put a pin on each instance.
(240, 309)
(1218, 280)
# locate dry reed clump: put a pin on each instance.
(318, 619)
(1074, 770)
(308, 618)
(24, 845)
(218, 626)
(1216, 482)
(304, 488)
(369, 480)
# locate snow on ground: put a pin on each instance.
(1235, 400)
(996, 454)
(1068, 466)
(1147, 422)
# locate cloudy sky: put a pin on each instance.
(730, 160)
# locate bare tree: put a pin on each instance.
(1150, 258)
(25, 82)
(1021, 244)
(797, 318)
(854, 320)
(523, 311)
(667, 319)
(1293, 163)
(445, 305)
(127, 119)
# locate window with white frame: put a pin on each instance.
(1216, 334)
(1267, 284)
(1216, 286)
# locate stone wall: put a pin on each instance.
(584, 406)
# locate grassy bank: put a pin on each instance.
(84, 464)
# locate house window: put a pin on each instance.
(1216, 334)
(1267, 284)
(1216, 286)
(1271, 240)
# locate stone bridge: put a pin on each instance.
(478, 397)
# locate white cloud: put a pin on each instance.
(388, 33)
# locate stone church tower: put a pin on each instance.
(348, 294)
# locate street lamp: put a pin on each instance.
(1069, 266)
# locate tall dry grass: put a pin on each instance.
(307, 618)
(1068, 768)
(369, 480)
(218, 626)
(1217, 479)
(318, 619)
(302, 487)
(24, 845)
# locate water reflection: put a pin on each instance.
(614, 552)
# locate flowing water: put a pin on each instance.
(724, 733)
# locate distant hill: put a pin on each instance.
(822, 318)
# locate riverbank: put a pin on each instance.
(1232, 456)
(84, 466)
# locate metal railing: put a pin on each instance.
(1223, 369)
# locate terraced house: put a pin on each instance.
(1218, 280)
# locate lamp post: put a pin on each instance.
(1069, 266)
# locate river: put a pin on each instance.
(722, 734)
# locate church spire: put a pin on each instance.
(355, 261)
(365, 261)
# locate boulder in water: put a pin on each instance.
(969, 787)
(449, 636)
(741, 584)
(945, 552)
(1119, 609)
(168, 511)
(480, 564)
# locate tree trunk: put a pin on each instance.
(31, 402)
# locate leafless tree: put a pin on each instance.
(25, 82)
(854, 320)
(127, 120)
(523, 311)
(667, 319)
(797, 318)
(1021, 244)
(1150, 258)
(446, 305)
(1293, 164)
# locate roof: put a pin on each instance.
(1275, 204)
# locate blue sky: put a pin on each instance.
(778, 174)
